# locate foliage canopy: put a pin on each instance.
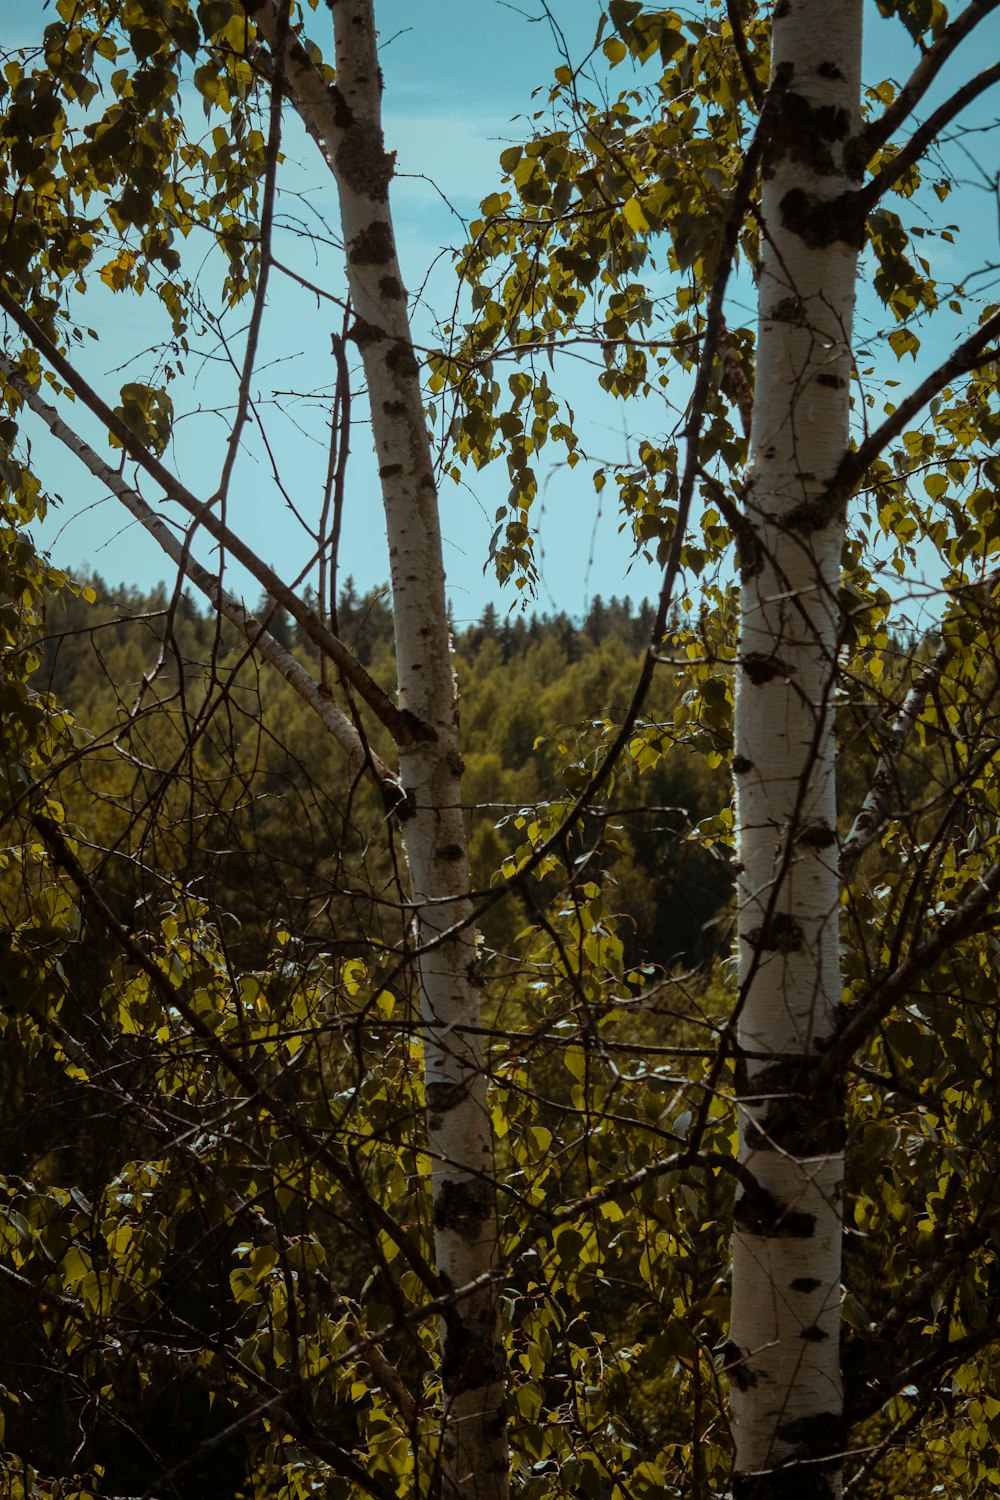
(220, 1222)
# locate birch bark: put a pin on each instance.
(784, 1369)
(345, 121)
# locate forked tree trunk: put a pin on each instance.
(345, 121)
(784, 1355)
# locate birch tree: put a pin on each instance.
(785, 1380)
(283, 1097)
(344, 120)
(472, 1366)
(788, 518)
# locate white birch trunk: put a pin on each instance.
(784, 1361)
(345, 121)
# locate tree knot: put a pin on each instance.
(781, 933)
(761, 668)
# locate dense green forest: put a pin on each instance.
(529, 1059)
(206, 793)
(223, 829)
(277, 834)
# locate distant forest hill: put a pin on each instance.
(365, 620)
(170, 707)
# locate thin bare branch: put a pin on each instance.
(403, 726)
(873, 814)
(65, 859)
(914, 149)
(888, 990)
(974, 352)
(880, 130)
(263, 275)
(259, 638)
(743, 52)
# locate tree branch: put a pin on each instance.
(256, 1088)
(403, 726)
(962, 1242)
(878, 131)
(949, 1353)
(263, 274)
(968, 356)
(965, 358)
(381, 1374)
(259, 638)
(866, 1013)
(867, 197)
(743, 52)
(270, 1403)
(872, 815)
(749, 552)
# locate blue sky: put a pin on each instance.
(457, 75)
(460, 75)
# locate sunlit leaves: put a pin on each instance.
(148, 413)
(98, 173)
(918, 16)
(116, 273)
(575, 256)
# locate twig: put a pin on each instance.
(256, 634)
(404, 727)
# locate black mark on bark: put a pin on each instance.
(734, 1364)
(464, 1206)
(814, 1437)
(791, 1116)
(443, 1096)
(780, 934)
(343, 115)
(372, 246)
(364, 333)
(401, 360)
(760, 1213)
(820, 222)
(784, 1484)
(363, 163)
(471, 1357)
(818, 836)
(814, 515)
(805, 133)
(761, 669)
(785, 310)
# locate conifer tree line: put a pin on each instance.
(590, 1092)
